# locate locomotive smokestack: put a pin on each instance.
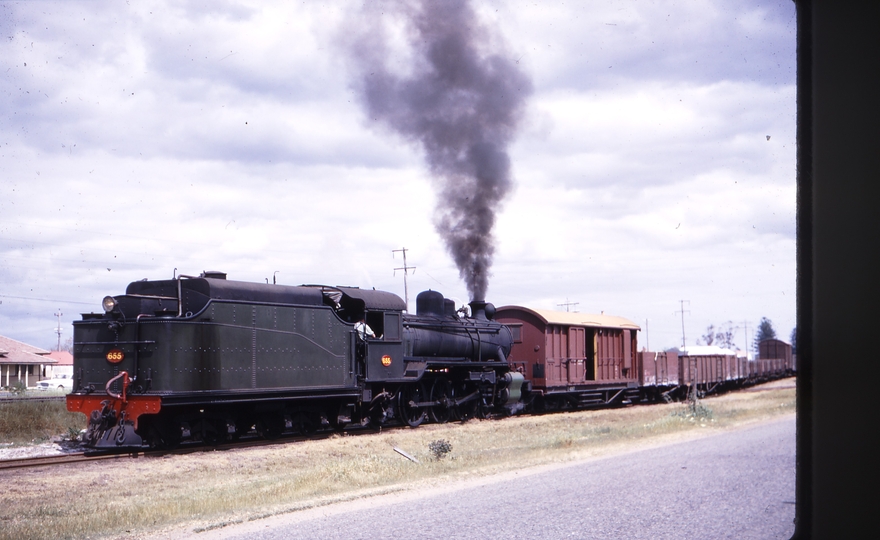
(461, 101)
(482, 310)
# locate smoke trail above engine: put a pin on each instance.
(460, 98)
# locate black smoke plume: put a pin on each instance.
(460, 97)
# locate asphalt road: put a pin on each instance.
(738, 485)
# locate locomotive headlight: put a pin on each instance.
(109, 303)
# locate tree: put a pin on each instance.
(794, 339)
(709, 336)
(724, 336)
(765, 331)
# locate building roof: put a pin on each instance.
(576, 319)
(707, 350)
(16, 352)
(63, 358)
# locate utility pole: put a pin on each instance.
(647, 337)
(58, 330)
(692, 366)
(567, 304)
(406, 270)
(682, 311)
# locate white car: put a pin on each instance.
(64, 384)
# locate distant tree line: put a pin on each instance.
(723, 336)
(765, 331)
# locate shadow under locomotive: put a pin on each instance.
(209, 359)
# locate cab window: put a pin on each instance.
(392, 327)
(376, 323)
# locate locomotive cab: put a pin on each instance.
(384, 353)
(379, 357)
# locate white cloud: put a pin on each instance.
(225, 136)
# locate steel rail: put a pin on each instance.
(31, 399)
(81, 457)
(60, 459)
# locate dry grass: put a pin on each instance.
(131, 498)
(25, 421)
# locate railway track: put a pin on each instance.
(30, 399)
(83, 457)
(60, 459)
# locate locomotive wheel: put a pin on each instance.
(466, 410)
(383, 410)
(441, 391)
(483, 411)
(412, 393)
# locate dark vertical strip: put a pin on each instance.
(804, 257)
(845, 216)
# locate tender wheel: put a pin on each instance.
(441, 391)
(302, 424)
(243, 426)
(271, 426)
(210, 431)
(409, 394)
(213, 437)
(165, 434)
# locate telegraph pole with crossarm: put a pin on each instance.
(683, 311)
(58, 330)
(406, 270)
(567, 304)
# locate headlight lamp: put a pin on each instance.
(109, 303)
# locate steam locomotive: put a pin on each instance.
(209, 359)
(203, 358)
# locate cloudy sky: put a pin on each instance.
(654, 161)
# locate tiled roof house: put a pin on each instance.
(22, 362)
(63, 366)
